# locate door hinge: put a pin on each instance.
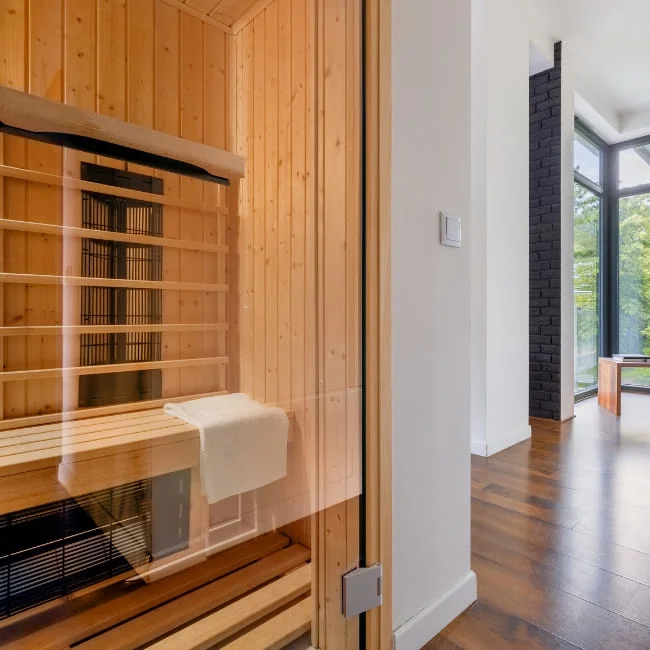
(362, 590)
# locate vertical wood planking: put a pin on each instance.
(284, 203)
(80, 90)
(216, 101)
(353, 187)
(121, 59)
(271, 202)
(333, 219)
(259, 209)
(246, 323)
(13, 23)
(167, 119)
(140, 63)
(192, 263)
(333, 187)
(111, 59)
(298, 213)
(311, 302)
(44, 203)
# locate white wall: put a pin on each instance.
(500, 350)
(432, 580)
(567, 369)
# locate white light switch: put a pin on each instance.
(450, 230)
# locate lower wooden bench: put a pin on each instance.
(195, 608)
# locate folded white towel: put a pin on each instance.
(243, 442)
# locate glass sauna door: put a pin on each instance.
(181, 407)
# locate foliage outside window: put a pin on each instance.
(615, 206)
(586, 272)
(634, 282)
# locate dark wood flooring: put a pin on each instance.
(561, 538)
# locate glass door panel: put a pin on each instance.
(634, 283)
(586, 271)
(138, 300)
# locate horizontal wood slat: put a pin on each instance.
(100, 188)
(74, 281)
(55, 330)
(119, 445)
(53, 373)
(112, 612)
(277, 632)
(217, 627)
(118, 410)
(157, 622)
(101, 435)
(71, 430)
(104, 235)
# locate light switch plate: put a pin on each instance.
(450, 230)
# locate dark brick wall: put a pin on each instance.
(545, 240)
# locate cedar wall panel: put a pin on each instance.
(296, 120)
(146, 62)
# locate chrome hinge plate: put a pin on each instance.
(362, 590)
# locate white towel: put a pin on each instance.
(243, 442)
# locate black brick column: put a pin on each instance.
(545, 240)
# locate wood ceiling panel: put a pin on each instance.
(227, 12)
(224, 11)
(204, 6)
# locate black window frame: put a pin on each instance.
(610, 194)
(599, 189)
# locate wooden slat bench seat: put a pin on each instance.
(130, 607)
(44, 463)
(229, 621)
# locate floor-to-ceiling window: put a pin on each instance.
(611, 263)
(633, 255)
(588, 177)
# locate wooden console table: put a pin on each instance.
(609, 382)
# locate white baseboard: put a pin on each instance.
(425, 625)
(480, 448)
(504, 442)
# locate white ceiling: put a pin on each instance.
(609, 42)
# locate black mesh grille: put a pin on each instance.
(49, 551)
(120, 306)
(53, 550)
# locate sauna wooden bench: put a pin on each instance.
(45, 463)
(609, 381)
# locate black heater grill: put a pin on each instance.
(53, 550)
(120, 306)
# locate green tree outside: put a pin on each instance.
(634, 284)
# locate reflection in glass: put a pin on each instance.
(586, 158)
(634, 282)
(586, 269)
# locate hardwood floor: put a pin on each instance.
(561, 538)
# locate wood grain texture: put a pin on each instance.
(559, 543)
(70, 624)
(31, 113)
(172, 615)
(609, 383)
(230, 620)
(377, 390)
(277, 632)
(155, 66)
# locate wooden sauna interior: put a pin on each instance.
(253, 287)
